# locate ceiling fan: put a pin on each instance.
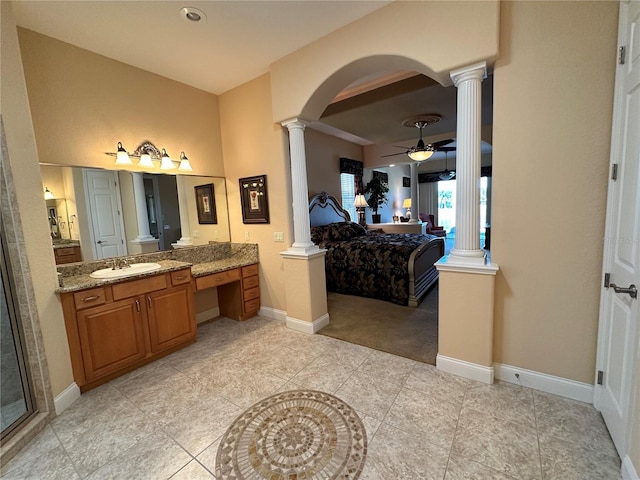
(421, 151)
(447, 174)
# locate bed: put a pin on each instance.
(398, 268)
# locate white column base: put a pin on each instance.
(446, 264)
(469, 370)
(144, 239)
(307, 327)
(299, 251)
(467, 257)
(183, 242)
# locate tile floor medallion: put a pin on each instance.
(298, 434)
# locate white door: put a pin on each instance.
(618, 330)
(103, 198)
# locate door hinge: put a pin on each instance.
(600, 377)
(621, 54)
(614, 171)
(607, 280)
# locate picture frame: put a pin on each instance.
(206, 204)
(254, 199)
(406, 181)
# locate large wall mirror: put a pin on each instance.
(98, 209)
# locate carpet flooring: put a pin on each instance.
(404, 331)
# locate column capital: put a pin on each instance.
(477, 71)
(294, 123)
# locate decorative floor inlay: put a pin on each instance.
(294, 435)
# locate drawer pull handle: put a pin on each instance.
(181, 277)
(91, 298)
(138, 305)
(149, 301)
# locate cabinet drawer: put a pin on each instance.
(250, 270)
(180, 277)
(252, 305)
(216, 279)
(89, 298)
(138, 287)
(251, 294)
(66, 252)
(250, 282)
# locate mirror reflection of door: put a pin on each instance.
(103, 198)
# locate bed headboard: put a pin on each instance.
(325, 209)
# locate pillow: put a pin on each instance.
(337, 232)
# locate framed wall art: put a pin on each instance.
(254, 199)
(206, 204)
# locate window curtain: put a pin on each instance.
(429, 199)
(355, 168)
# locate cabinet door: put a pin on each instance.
(112, 336)
(171, 317)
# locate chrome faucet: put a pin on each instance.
(118, 263)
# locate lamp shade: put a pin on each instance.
(145, 161)
(122, 157)
(360, 201)
(165, 162)
(406, 203)
(48, 195)
(185, 166)
(420, 155)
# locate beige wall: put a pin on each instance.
(23, 155)
(552, 121)
(323, 154)
(83, 104)
(254, 145)
(466, 31)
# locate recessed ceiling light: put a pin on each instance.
(192, 14)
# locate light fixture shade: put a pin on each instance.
(406, 203)
(420, 155)
(185, 166)
(145, 161)
(122, 157)
(360, 201)
(166, 163)
(47, 194)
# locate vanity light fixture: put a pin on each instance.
(47, 194)
(147, 153)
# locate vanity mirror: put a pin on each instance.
(106, 212)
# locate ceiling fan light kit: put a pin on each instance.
(422, 152)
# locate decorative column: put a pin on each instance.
(302, 232)
(414, 193)
(467, 243)
(305, 286)
(141, 209)
(185, 226)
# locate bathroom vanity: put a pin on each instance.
(118, 324)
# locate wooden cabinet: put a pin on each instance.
(116, 328)
(241, 299)
(67, 254)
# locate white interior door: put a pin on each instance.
(618, 331)
(103, 197)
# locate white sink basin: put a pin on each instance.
(133, 269)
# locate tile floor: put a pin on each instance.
(165, 420)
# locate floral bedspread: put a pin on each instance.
(367, 264)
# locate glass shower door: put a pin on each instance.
(15, 396)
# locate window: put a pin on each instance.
(348, 188)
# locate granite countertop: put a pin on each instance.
(203, 260)
(65, 243)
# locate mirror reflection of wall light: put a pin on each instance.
(47, 194)
(147, 153)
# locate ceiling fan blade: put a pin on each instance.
(442, 143)
(445, 149)
(394, 154)
(401, 146)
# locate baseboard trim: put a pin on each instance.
(544, 382)
(274, 313)
(628, 470)
(66, 398)
(469, 370)
(207, 314)
(307, 327)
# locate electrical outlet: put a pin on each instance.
(195, 234)
(246, 236)
(215, 235)
(278, 236)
